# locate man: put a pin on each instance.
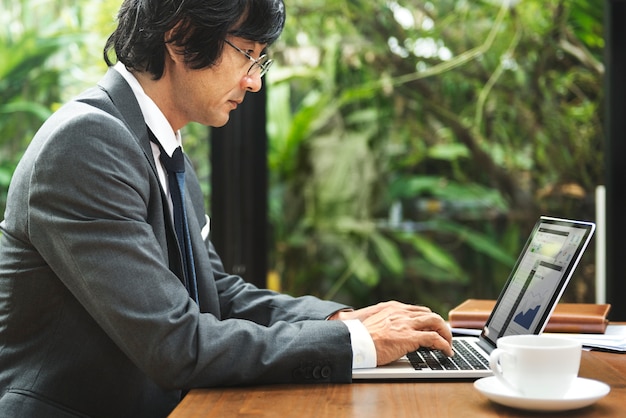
(103, 311)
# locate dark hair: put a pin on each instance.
(200, 27)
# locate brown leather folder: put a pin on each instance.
(583, 318)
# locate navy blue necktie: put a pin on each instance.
(175, 166)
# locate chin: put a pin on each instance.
(218, 123)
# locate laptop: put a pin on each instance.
(534, 287)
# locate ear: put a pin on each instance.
(174, 51)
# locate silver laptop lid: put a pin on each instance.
(538, 278)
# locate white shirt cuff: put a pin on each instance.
(363, 349)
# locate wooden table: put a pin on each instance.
(401, 399)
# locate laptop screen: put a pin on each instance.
(539, 278)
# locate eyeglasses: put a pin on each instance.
(262, 64)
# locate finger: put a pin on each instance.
(444, 346)
(396, 306)
(435, 341)
(417, 308)
(433, 322)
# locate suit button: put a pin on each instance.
(298, 374)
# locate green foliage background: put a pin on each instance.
(415, 142)
(412, 143)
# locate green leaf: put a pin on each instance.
(435, 255)
(36, 109)
(478, 241)
(448, 152)
(388, 253)
(361, 266)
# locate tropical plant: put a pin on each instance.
(24, 86)
(37, 43)
(413, 148)
(49, 52)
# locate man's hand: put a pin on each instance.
(397, 328)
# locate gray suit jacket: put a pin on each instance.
(94, 320)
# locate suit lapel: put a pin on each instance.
(130, 113)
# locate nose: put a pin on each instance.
(252, 82)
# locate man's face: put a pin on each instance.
(207, 96)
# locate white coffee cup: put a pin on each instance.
(536, 366)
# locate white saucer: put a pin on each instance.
(582, 393)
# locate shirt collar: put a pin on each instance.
(155, 119)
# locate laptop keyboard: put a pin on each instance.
(465, 357)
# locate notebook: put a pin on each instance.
(534, 287)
